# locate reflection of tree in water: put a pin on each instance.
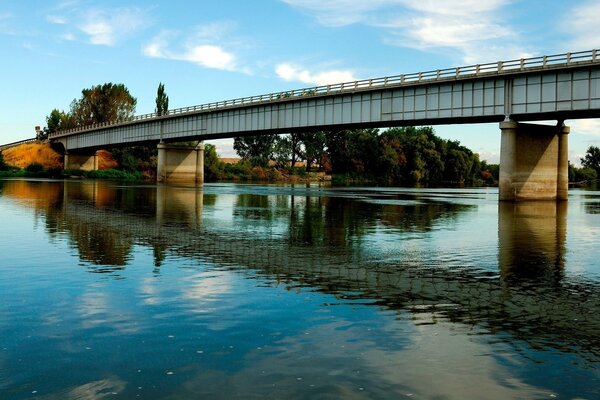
(98, 245)
(251, 206)
(592, 207)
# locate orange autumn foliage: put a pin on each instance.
(37, 152)
(106, 160)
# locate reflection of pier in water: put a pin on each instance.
(529, 299)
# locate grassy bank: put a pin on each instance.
(109, 174)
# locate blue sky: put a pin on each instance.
(205, 51)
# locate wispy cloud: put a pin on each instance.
(98, 26)
(56, 19)
(5, 18)
(204, 47)
(291, 72)
(584, 27)
(104, 27)
(470, 27)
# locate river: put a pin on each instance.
(295, 291)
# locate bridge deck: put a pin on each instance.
(563, 86)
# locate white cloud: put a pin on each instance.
(106, 28)
(289, 72)
(468, 26)
(583, 25)
(68, 36)
(56, 19)
(210, 56)
(198, 48)
(585, 126)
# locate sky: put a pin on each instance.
(206, 51)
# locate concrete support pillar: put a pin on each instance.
(180, 163)
(533, 162)
(84, 161)
(508, 159)
(200, 163)
(562, 192)
(161, 163)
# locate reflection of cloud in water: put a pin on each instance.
(451, 354)
(204, 292)
(96, 308)
(150, 291)
(428, 361)
(96, 390)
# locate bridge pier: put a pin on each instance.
(180, 163)
(534, 162)
(81, 161)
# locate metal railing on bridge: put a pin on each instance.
(13, 144)
(471, 71)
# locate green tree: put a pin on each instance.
(392, 159)
(314, 148)
(162, 101)
(353, 152)
(213, 166)
(103, 103)
(282, 150)
(581, 175)
(53, 121)
(257, 150)
(3, 166)
(592, 159)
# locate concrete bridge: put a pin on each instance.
(534, 158)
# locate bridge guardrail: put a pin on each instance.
(13, 144)
(517, 65)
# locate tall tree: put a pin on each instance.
(258, 150)
(162, 101)
(103, 103)
(592, 159)
(314, 147)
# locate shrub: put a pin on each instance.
(34, 168)
(3, 166)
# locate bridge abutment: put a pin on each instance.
(81, 161)
(534, 163)
(180, 163)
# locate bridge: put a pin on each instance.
(534, 158)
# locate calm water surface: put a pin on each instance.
(249, 291)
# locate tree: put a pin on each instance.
(282, 149)
(162, 101)
(258, 150)
(3, 166)
(213, 166)
(103, 103)
(314, 147)
(592, 159)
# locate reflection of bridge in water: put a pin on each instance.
(529, 298)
